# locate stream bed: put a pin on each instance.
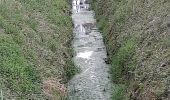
(93, 82)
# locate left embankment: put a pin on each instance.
(35, 52)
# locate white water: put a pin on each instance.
(93, 82)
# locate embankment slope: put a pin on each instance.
(35, 53)
(137, 36)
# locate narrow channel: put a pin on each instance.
(93, 82)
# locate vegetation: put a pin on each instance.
(120, 58)
(18, 75)
(35, 52)
(136, 33)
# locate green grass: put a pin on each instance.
(119, 60)
(19, 76)
(165, 42)
(118, 69)
(33, 24)
(120, 52)
(35, 47)
(137, 60)
(123, 9)
(118, 92)
(9, 20)
(9, 27)
(71, 70)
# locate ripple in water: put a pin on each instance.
(93, 82)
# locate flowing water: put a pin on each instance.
(93, 82)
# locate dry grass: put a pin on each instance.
(54, 89)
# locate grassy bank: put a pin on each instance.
(35, 52)
(136, 34)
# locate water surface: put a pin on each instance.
(93, 82)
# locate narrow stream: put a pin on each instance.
(93, 82)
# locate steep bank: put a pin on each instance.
(35, 52)
(137, 36)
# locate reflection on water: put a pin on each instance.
(78, 5)
(92, 83)
(79, 28)
(85, 55)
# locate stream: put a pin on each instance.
(93, 82)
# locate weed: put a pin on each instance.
(71, 70)
(120, 58)
(118, 92)
(29, 50)
(137, 60)
(33, 24)
(19, 75)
